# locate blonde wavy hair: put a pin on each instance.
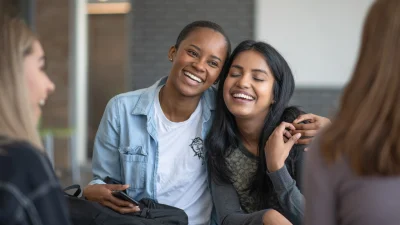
(16, 116)
(367, 126)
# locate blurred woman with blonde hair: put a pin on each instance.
(353, 170)
(29, 190)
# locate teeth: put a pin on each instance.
(42, 102)
(193, 77)
(243, 96)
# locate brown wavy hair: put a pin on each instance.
(367, 126)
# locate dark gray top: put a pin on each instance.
(30, 193)
(336, 196)
(235, 205)
(243, 165)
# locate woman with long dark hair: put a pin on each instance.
(253, 159)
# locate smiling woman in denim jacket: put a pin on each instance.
(152, 139)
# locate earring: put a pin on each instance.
(170, 59)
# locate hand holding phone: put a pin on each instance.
(103, 194)
(123, 196)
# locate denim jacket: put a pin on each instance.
(126, 146)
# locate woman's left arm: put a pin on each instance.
(288, 193)
(277, 151)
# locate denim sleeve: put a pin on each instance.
(227, 206)
(289, 196)
(105, 160)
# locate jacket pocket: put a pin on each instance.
(133, 163)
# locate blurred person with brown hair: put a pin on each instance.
(353, 170)
(29, 189)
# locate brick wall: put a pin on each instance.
(106, 68)
(52, 25)
(10, 8)
(156, 25)
(107, 65)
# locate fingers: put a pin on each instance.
(308, 116)
(122, 210)
(287, 134)
(116, 187)
(119, 202)
(305, 133)
(293, 139)
(305, 141)
(102, 193)
(281, 129)
(308, 126)
(285, 139)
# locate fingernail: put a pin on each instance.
(298, 135)
(306, 149)
(131, 205)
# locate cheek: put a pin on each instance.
(33, 85)
(179, 62)
(181, 57)
(265, 94)
(226, 89)
(214, 73)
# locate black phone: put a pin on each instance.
(122, 195)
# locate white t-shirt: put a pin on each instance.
(182, 177)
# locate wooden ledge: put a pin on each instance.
(109, 8)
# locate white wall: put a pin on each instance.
(318, 38)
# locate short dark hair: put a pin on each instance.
(203, 24)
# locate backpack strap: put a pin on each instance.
(74, 186)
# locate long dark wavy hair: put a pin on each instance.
(224, 135)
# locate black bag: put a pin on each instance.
(84, 212)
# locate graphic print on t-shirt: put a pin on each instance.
(181, 179)
(197, 147)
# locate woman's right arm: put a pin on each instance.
(229, 211)
(105, 162)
